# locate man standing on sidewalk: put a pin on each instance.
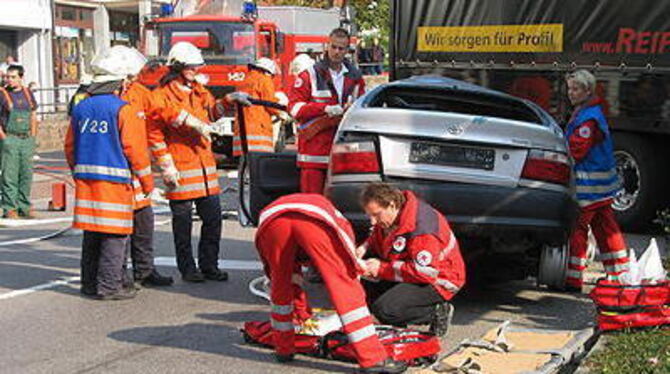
(18, 130)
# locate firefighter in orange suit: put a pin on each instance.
(319, 97)
(258, 84)
(104, 151)
(141, 241)
(308, 225)
(179, 139)
(416, 260)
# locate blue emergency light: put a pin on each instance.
(167, 10)
(249, 10)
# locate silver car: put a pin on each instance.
(497, 166)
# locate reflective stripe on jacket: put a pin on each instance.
(596, 177)
(190, 151)
(422, 249)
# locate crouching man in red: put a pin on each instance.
(416, 266)
(308, 225)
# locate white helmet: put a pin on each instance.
(116, 63)
(185, 53)
(300, 63)
(266, 64)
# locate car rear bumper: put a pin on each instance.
(478, 210)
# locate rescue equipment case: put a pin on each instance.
(411, 346)
(621, 306)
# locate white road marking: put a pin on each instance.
(158, 261)
(223, 264)
(45, 286)
(5, 222)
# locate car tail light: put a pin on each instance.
(354, 158)
(547, 166)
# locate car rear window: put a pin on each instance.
(454, 101)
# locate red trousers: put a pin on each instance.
(280, 242)
(312, 180)
(612, 246)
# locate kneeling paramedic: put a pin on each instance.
(416, 264)
(104, 152)
(308, 225)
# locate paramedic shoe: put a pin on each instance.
(283, 358)
(441, 320)
(388, 366)
(156, 280)
(216, 275)
(193, 277)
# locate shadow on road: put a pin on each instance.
(215, 339)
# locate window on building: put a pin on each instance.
(7, 44)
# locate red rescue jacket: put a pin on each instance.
(313, 90)
(422, 249)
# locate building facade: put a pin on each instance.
(25, 36)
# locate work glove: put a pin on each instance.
(169, 172)
(334, 110)
(203, 128)
(239, 97)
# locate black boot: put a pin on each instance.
(388, 366)
(193, 277)
(216, 275)
(441, 319)
(156, 280)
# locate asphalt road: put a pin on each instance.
(193, 328)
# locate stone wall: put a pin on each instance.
(51, 132)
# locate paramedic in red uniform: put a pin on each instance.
(309, 226)
(596, 180)
(319, 97)
(416, 265)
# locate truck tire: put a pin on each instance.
(553, 267)
(636, 204)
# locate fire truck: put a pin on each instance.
(232, 34)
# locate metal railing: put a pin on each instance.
(53, 100)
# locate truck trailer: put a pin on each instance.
(526, 47)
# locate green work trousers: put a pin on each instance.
(17, 173)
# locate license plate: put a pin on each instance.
(449, 155)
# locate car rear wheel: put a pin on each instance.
(553, 266)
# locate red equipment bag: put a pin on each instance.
(614, 296)
(407, 345)
(623, 306)
(411, 346)
(646, 317)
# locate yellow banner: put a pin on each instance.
(501, 38)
